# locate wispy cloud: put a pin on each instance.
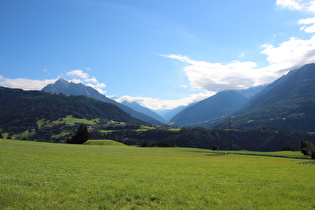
(158, 104)
(290, 4)
(302, 5)
(26, 84)
(309, 25)
(307, 5)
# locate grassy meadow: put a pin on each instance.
(36, 175)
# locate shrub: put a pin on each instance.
(307, 148)
(215, 147)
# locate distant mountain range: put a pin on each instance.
(144, 110)
(70, 88)
(168, 114)
(288, 103)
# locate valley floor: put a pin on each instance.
(35, 175)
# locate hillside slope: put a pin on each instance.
(221, 104)
(288, 103)
(22, 109)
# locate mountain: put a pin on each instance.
(144, 110)
(70, 88)
(288, 103)
(22, 109)
(221, 104)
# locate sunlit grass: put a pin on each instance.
(59, 135)
(61, 176)
(103, 142)
(284, 154)
(70, 120)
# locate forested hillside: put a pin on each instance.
(22, 109)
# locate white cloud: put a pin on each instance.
(92, 79)
(158, 104)
(290, 4)
(98, 87)
(26, 84)
(78, 75)
(306, 22)
(215, 77)
(311, 7)
(291, 54)
(306, 5)
(77, 81)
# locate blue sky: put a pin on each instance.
(162, 53)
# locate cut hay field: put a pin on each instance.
(37, 175)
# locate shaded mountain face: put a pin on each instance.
(299, 83)
(22, 109)
(251, 92)
(144, 110)
(221, 104)
(288, 103)
(70, 88)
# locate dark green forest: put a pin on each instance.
(20, 110)
(262, 139)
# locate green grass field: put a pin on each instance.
(37, 175)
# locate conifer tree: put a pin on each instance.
(81, 136)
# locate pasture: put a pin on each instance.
(36, 175)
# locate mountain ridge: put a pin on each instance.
(221, 104)
(288, 103)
